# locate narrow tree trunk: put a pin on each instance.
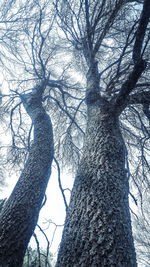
(98, 230)
(20, 213)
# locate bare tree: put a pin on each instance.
(20, 213)
(112, 38)
(142, 232)
(28, 51)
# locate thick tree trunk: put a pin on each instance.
(20, 213)
(98, 230)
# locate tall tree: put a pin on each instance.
(35, 97)
(26, 199)
(20, 212)
(142, 232)
(97, 229)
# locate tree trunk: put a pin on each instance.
(98, 230)
(20, 213)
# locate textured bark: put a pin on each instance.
(20, 213)
(98, 230)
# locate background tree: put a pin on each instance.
(27, 57)
(19, 215)
(2, 170)
(142, 232)
(37, 258)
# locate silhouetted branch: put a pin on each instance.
(60, 185)
(140, 34)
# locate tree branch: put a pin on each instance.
(128, 86)
(139, 98)
(146, 110)
(108, 24)
(88, 26)
(60, 185)
(66, 112)
(140, 34)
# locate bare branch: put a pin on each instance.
(139, 98)
(140, 34)
(65, 111)
(129, 85)
(60, 185)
